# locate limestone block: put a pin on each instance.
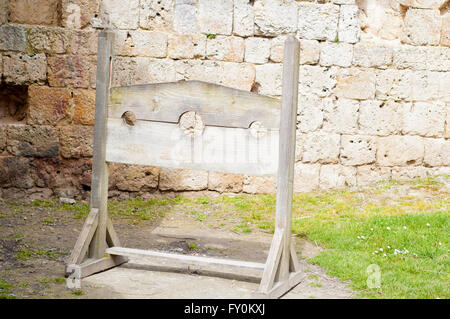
(48, 40)
(84, 107)
(444, 86)
(225, 48)
(408, 173)
(447, 121)
(240, 76)
(306, 177)
(142, 70)
(275, 17)
(269, 79)
(186, 46)
(422, 27)
(67, 70)
(19, 68)
(354, 83)
(225, 183)
(260, 184)
(141, 43)
(12, 38)
(400, 150)
(257, 50)
(317, 80)
(243, 18)
(49, 106)
(349, 29)
(44, 12)
(76, 141)
(182, 179)
(309, 50)
(425, 86)
(185, 17)
(318, 21)
(121, 14)
(237, 75)
(341, 116)
(357, 150)
(340, 54)
(215, 16)
(371, 174)
(156, 15)
(133, 178)
(4, 11)
(393, 84)
(438, 58)
(371, 55)
(310, 113)
(84, 42)
(445, 30)
(15, 171)
(423, 4)
(380, 117)
(32, 141)
(2, 138)
(437, 152)
(77, 14)
(344, 1)
(410, 57)
(337, 176)
(424, 119)
(321, 147)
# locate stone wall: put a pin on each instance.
(374, 86)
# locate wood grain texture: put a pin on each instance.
(228, 150)
(99, 185)
(217, 105)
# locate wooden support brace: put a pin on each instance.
(282, 270)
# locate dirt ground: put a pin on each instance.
(35, 242)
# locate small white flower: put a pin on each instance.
(371, 229)
(376, 251)
(389, 247)
(384, 255)
(358, 237)
(388, 228)
(363, 237)
(440, 244)
(395, 252)
(404, 227)
(428, 224)
(381, 249)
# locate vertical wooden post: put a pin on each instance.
(99, 187)
(282, 261)
(287, 150)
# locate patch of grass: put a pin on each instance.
(243, 228)
(2, 216)
(193, 246)
(78, 292)
(60, 280)
(43, 203)
(315, 284)
(210, 36)
(5, 290)
(47, 221)
(26, 253)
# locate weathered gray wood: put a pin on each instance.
(281, 287)
(111, 236)
(85, 237)
(92, 266)
(217, 105)
(99, 185)
(278, 274)
(272, 263)
(234, 264)
(287, 149)
(228, 150)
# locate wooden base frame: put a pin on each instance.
(98, 247)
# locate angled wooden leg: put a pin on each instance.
(98, 232)
(282, 273)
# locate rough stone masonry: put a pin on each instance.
(374, 80)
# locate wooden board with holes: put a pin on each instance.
(217, 105)
(221, 149)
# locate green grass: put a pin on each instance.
(78, 292)
(26, 253)
(5, 290)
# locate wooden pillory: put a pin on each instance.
(229, 143)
